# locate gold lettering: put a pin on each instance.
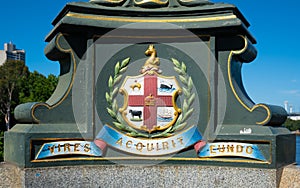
(76, 147)
(157, 147)
(165, 145)
(180, 139)
(150, 149)
(173, 144)
(51, 148)
(139, 146)
(58, 147)
(249, 149)
(230, 148)
(128, 144)
(67, 148)
(87, 148)
(211, 149)
(120, 142)
(239, 148)
(221, 149)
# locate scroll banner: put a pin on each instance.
(233, 149)
(68, 147)
(149, 147)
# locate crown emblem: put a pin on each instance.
(150, 100)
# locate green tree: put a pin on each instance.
(18, 85)
(37, 88)
(292, 125)
(11, 75)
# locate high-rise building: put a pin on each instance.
(10, 52)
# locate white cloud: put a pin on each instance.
(292, 92)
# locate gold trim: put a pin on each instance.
(60, 139)
(109, 1)
(175, 20)
(70, 86)
(158, 2)
(149, 37)
(151, 159)
(236, 52)
(152, 37)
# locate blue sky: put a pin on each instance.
(272, 78)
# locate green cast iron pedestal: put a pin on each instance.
(198, 46)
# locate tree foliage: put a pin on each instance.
(37, 88)
(292, 125)
(18, 85)
(12, 73)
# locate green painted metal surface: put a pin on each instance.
(213, 42)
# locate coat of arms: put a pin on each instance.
(150, 98)
(148, 122)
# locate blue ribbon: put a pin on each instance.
(120, 141)
(149, 147)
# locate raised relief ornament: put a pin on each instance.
(149, 121)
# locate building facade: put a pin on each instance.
(291, 114)
(10, 52)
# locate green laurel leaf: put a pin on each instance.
(163, 134)
(190, 84)
(111, 113)
(115, 92)
(119, 118)
(179, 118)
(110, 82)
(123, 70)
(180, 126)
(117, 79)
(176, 63)
(187, 115)
(185, 92)
(114, 106)
(182, 79)
(108, 98)
(187, 81)
(117, 68)
(185, 106)
(125, 62)
(183, 67)
(191, 99)
(178, 70)
(118, 125)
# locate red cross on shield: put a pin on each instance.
(150, 101)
